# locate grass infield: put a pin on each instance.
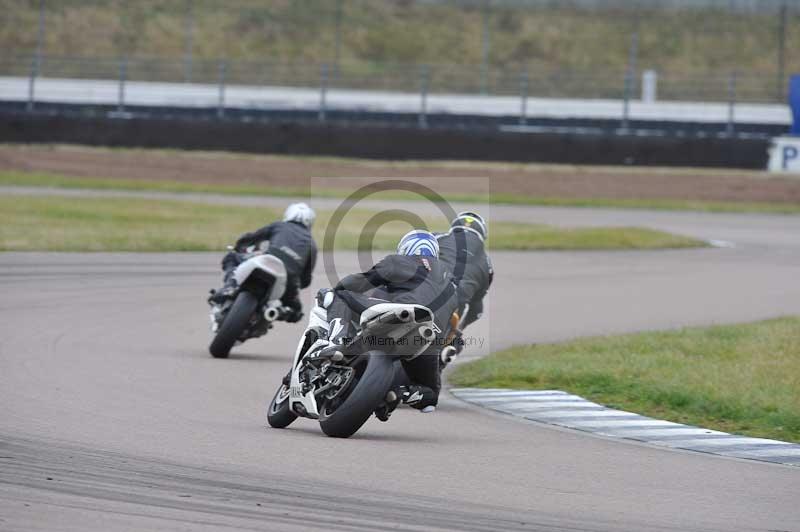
(52, 223)
(16, 178)
(736, 378)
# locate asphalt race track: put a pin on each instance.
(114, 417)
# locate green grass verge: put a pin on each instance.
(654, 204)
(736, 378)
(52, 223)
(13, 178)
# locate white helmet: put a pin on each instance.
(300, 213)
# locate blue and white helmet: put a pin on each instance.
(418, 242)
(300, 213)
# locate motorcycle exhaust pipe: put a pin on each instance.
(426, 333)
(271, 314)
(403, 316)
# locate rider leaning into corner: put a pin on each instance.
(463, 252)
(413, 275)
(290, 241)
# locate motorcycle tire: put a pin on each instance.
(279, 415)
(233, 325)
(365, 396)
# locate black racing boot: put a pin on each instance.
(420, 397)
(390, 402)
(219, 297)
(295, 310)
(340, 332)
(332, 349)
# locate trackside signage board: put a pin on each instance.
(784, 154)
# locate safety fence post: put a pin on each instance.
(36, 63)
(123, 75)
(731, 104)
(523, 96)
(630, 72)
(485, 47)
(780, 82)
(626, 96)
(222, 75)
(424, 75)
(337, 46)
(323, 92)
(188, 45)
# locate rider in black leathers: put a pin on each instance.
(414, 275)
(463, 251)
(290, 240)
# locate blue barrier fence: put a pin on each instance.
(794, 102)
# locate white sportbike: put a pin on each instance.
(251, 309)
(341, 386)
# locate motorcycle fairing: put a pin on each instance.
(268, 263)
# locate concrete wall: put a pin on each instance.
(386, 142)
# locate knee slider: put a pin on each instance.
(325, 297)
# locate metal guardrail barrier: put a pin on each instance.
(630, 53)
(261, 85)
(456, 79)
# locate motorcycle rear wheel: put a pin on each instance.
(365, 395)
(233, 325)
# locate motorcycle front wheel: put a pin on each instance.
(279, 415)
(233, 325)
(342, 417)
